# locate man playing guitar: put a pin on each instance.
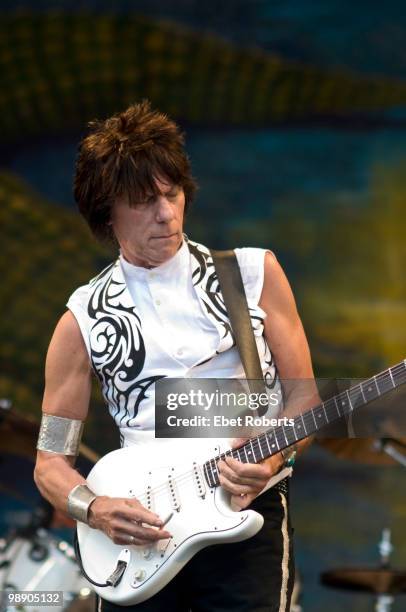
(150, 315)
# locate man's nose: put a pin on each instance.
(165, 210)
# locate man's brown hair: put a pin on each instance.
(121, 156)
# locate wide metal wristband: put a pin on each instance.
(60, 435)
(79, 500)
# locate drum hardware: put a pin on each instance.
(368, 451)
(32, 559)
(388, 446)
(383, 581)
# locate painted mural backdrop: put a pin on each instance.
(294, 114)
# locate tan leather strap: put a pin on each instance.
(235, 299)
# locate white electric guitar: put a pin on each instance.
(184, 485)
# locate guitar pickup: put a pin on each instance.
(173, 493)
(149, 498)
(199, 480)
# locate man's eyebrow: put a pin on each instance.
(171, 188)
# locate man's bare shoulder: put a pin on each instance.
(67, 341)
(277, 295)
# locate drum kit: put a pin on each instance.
(383, 581)
(33, 559)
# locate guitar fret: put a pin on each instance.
(337, 408)
(252, 452)
(349, 399)
(314, 419)
(260, 448)
(356, 396)
(376, 384)
(331, 409)
(385, 382)
(298, 426)
(279, 439)
(304, 425)
(399, 373)
(274, 442)
(343, 402)
(308, 418)
(290, 435)
(267, 441)
(370, 389)
(320, 415)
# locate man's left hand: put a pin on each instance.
(246, 480)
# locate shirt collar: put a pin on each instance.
(173, 267)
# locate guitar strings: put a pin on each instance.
(255, 442)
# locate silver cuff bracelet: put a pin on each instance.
(79, 500)
(59, 435)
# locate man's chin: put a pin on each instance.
(165, 254)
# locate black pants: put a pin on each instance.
(255, 575)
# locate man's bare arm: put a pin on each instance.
(287, 341)
(67, 394)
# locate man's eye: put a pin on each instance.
(148, 200)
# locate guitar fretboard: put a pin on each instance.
(311, 421)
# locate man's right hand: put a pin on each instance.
(122, 520)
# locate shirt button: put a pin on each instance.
(179, 352)
(158, 302)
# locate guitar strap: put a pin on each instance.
(235, 299)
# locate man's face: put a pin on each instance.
(150, 232)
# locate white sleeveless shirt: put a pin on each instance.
(140, 325)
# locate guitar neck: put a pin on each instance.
(311, 421)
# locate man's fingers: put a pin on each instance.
(232, 476)
(139, 532)
(237, 489)
(243, 472)
(242, 501)
(132, 510)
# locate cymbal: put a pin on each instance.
(360, 450)
(369, 580)
(19, 435)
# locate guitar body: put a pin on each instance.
(167, 477)
(201, 516)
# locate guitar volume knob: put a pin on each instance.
(139, 575)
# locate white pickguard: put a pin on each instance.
(168, 480)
